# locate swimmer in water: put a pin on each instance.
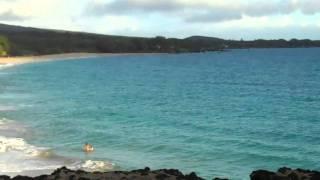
(87, 147)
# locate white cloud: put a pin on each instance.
(308, 6)
(54, 14)
(11, 16)
(205, 10)
(112, 24)
(174, 18)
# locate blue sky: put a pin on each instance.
(230, 19)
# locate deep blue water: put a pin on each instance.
(218, 114)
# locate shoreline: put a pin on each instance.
(14, 143)
(146, 173)
(16, 60)
(284, 173)
(17, 143)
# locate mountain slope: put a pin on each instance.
(35, 41)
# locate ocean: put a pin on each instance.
(219, 114)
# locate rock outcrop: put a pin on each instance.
(285, 174)
(165, 174)
(143, 174)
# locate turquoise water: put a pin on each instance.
(218, 114)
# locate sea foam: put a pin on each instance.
(17, 156)
(17, 144)
(90, 165)
(2, 66)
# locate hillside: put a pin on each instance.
(34, 41)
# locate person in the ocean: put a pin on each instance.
(87, 147)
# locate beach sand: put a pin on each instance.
(53, 57)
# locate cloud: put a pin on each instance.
(246, 19)
(190, 11)
(9, 15)
(204, 10)
(309, 6)
(215, 16)
(132, 6)
(265, 8)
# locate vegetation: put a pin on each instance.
(33, 41)
(4, 46)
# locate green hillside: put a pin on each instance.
(34, 41)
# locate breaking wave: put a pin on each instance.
(2, 66)
(17, 156)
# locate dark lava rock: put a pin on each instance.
(165, 174)
(262, 175)
(285, 174)
(140, 174)
(22, 178)
(4, 177)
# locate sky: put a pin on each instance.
(229, 19)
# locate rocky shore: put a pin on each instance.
(143, 174)
(285, 174)
(165, 174)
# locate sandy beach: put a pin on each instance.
(42, 58)
(54, 57)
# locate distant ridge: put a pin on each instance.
(37, 41)
(203, 38)
(16, 28)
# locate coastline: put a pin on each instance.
(146, 173)
(13, 143)
(8, 107)
(15, 60)
(283, 173)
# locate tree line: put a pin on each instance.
(4, 46)
(33, 41)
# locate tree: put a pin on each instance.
(4, 46)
